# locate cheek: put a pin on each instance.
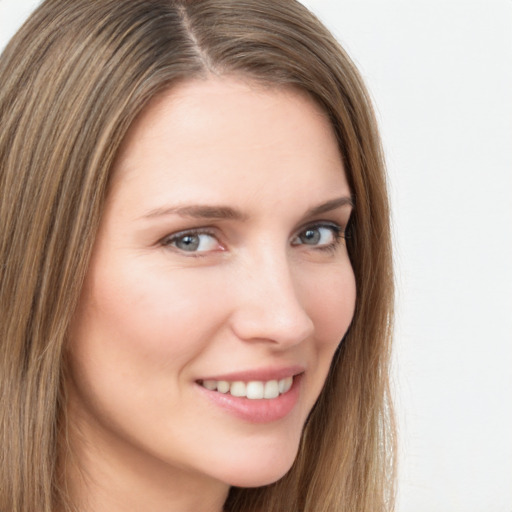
(134, 336)
(135, 332)
(155, 312)
(330, 298)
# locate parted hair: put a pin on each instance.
(73, 79)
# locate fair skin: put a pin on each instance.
(220, 258)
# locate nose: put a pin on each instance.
(268, 306)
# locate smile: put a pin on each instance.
(254, 390)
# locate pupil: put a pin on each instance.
(188, 243)
(311, 236)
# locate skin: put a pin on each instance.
(154, 317)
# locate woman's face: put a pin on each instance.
(220, 270)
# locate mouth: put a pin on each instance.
(255, 397)
(253, 390)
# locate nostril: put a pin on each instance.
(266, 303)
(287, 327)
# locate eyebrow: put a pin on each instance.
(328, 206)
(199, 211)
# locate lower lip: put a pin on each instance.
(257, 411)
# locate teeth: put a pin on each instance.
(210, 384)
(271, 389)
(222, 386)
(238, 389)
(254, 390)
(285, 384)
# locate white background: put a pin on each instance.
(440, 73)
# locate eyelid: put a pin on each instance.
(168, 240)
(337, 229)
(336, 226)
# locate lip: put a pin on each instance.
(261, 374)
(255, 411)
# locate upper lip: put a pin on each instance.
(259, 374)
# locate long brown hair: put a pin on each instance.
(72, 81)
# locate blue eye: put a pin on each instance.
(320, 236)
(192, 242)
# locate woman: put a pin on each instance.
(196, 283)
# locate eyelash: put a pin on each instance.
(169, 240)
(337, 231)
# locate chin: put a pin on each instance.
(258, 470)
(260, 478)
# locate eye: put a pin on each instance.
(192, 242)
(321, 236)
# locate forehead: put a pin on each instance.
(234, 106)
(224, 135)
